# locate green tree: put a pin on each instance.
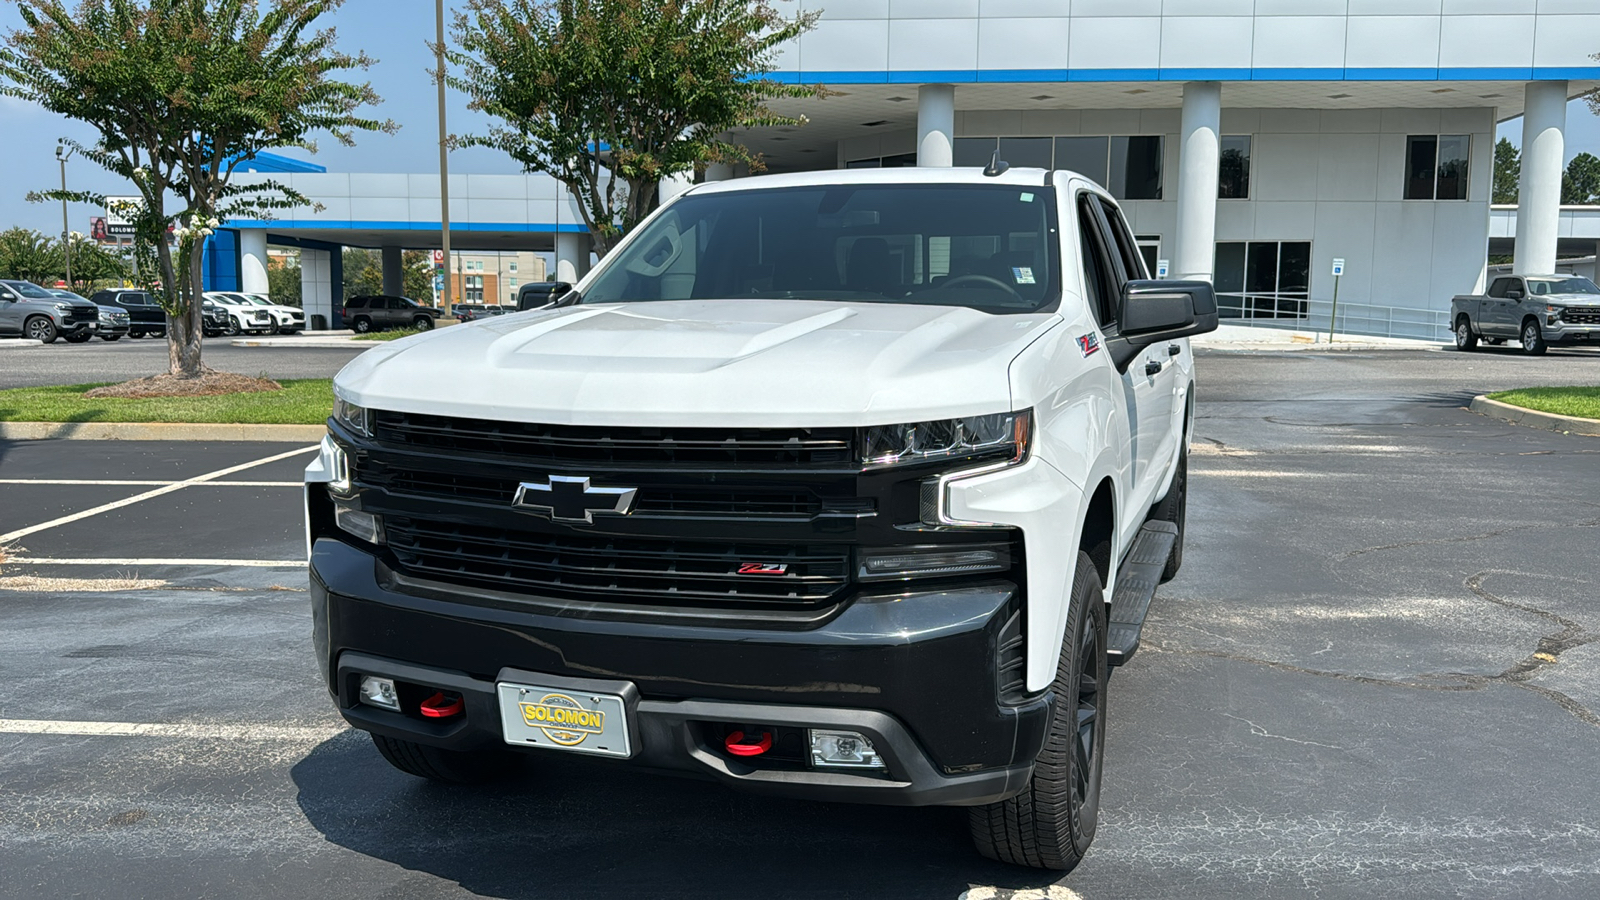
(182, 92)
(1580, 185)
(363, 272)
(28, 255)
(283, 282)
(418, 265)
(1507, 171)
(611, 96)
(93, 266)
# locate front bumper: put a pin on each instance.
(915, 672)
(1572, 334)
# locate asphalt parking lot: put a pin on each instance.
(97, 360)
(1378, 674)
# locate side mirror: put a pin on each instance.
(1155, 311)
(1514, 296)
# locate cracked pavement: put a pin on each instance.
(1377, 674)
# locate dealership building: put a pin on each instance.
(1253, 142)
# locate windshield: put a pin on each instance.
(258, 301)
(1541, 286)
(988, 247)
(68, 295)
(30, 290)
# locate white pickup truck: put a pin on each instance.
(847, 485)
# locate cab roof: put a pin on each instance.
(1018, 177)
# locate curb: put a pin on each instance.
(19, 344)
(311, 342)
(1517, 415)
(158, 431)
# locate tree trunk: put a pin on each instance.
(184, 331)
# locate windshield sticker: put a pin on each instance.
(1089, 344)
(1022, 274)
(1027, 198)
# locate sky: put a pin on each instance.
(28, 134)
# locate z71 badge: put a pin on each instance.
(1089, 344)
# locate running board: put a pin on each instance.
(1137, 579)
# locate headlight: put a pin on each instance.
(931, 560)
(1553, 313)
(352, 416)
(64, 307)
(999, 436)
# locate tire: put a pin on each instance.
(448, 766)
(1174, 508)
(110, 337)
(422, 323)
(80, 338)
(232, 328)
(1051, 824)
(1465, 339)
(1533, 338)
(273, 328)
(41, 329)
(158, 333)
(361, 325)
(1495, 342)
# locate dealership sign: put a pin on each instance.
(118, 209)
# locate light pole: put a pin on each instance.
(444, 155)
(62, 155)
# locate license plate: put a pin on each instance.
(561, 719)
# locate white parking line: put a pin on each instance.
(86, 482)
(154, 561)
(175, 486)
(307, 733)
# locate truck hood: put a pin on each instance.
(705, 362)
(1568, 299)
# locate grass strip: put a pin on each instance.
(301, 402)
(393, 335)
(1583, 402)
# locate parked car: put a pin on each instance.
(466, 312)
(1539, 311)
(540, 294)
(213, 319)
(860, 523)
(113, 319)
(376, 312)
(31, 311)
(244, 317)
(146, 318)
(285, 319)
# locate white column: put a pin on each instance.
(572, 256)
(719, 172)
(394, 273)
(1199, 158)
(316, 285)
(252, 260)
(1544, 156)
(936, 125)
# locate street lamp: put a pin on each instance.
(63, 153)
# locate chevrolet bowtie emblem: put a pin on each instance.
(562, 498)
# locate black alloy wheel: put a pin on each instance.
(232, 328)
(1533, 339)
(423, 323)
(41, 329)
(1465, 339)
(361, 325)
(1052, 822)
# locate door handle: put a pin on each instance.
(1153, 367)
(1173, 349)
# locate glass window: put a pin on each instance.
(513, 267)
(1454, 150)
(1233, 182)
(1261, 267)
(1033, 153)
(900, 161)
(1539, 287)
(1263, 279)
(1229, 277)
(974, 151)
(988, 247)
(1097, 277)
(1500, 286)
(1421, 154)
(1136, 167)
(873, 163)
(1084, 155)
(1126, 247)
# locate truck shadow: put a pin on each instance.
(580, 828)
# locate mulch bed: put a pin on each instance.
(210, 383)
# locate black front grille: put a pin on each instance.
(657, 572)
(79, 315)
(734, 447)
(1581, 316)
(653, 501)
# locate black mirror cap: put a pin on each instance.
(1166, 310)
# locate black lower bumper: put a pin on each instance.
(914, 673)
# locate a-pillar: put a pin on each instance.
(1544, 149)
(1199, 158)
(572, 256)
(316, 287)
(253, 261)
(936, 125)
(394, 273)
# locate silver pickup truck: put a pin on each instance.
(1536, 310)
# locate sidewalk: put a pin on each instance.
(1243, 337)
(307, 339)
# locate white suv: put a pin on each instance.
(286, 319)
(243, 315)
(845, 485)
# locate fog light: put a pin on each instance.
(927, 561)
(843, 748)
(379, 692)
(363, 525)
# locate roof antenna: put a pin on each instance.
(996, 166)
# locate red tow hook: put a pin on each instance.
(440, 706)
(736, 744)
